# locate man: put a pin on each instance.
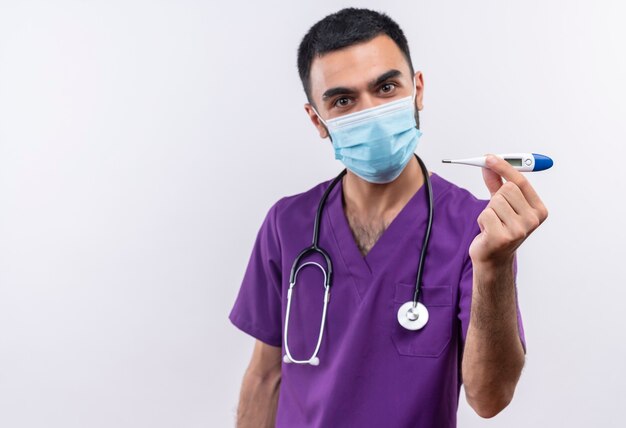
(370, 371)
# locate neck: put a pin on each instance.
(373, 200)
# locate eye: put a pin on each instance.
(342, 102)
(387, 88)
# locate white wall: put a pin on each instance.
(141, 144)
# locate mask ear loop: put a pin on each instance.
(323, 121)
(416, 114)
(318, 116)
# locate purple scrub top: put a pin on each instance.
(372, 371)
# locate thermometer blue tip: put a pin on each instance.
(542, 162)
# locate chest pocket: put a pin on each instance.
(434, 337)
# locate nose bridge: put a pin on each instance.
(367, 100)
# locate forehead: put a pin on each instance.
(355, 65)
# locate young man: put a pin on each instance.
(369, 370)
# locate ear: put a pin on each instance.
(419, 88)
(321, 129)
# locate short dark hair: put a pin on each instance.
(345, 28)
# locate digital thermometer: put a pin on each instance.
(525, 162)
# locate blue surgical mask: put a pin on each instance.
(376, 143)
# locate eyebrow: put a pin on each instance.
(342, 90)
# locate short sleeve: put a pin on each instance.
(257, 308)
(465, 292)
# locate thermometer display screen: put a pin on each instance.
(514, 161)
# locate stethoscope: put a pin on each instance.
(412, 315)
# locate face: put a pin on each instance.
(358, 77)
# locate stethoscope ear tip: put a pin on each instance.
(315, 361)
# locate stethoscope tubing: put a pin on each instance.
(313, 360)
(315, 248)
(429, 225)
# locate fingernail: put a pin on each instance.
(490, 160)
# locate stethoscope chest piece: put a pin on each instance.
(411, 316)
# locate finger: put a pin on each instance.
(505, 212)
(506, 170)
(492, 180)
(489, 222)
(531, 216)
(515, 198)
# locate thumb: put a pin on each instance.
(493, 181)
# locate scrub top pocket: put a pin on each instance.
(434, 337)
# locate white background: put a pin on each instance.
(142, 143)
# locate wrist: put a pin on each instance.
(493, 268)
(490, 273)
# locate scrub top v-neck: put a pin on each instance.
(372, 371)
(364, 269)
